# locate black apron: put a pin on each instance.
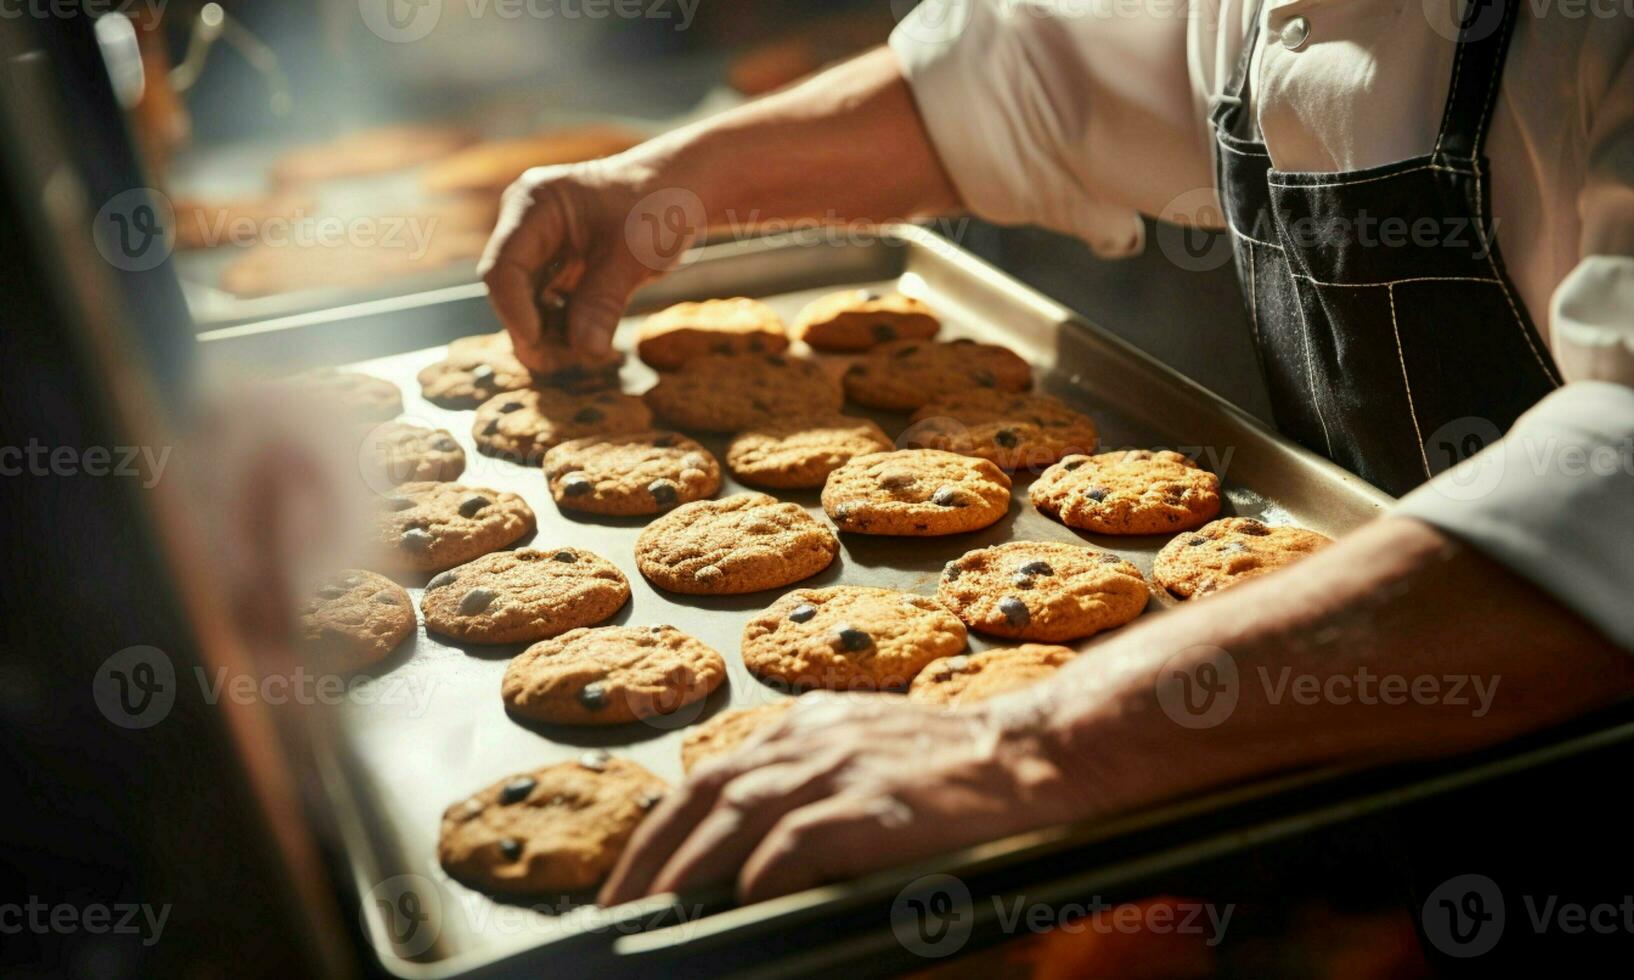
(1391, 338)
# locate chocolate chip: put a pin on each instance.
(1096, 494)
(802, 612)
(482, 372)
(952, 571)
(1006, 438)
(842, 513)
(510, 407)
(415, 539)
(576, 485)
(948, 497)
(470, 505)
(398, 503)
(446, 578)
(593, 696)
(857, 369)
(907, 351)
(664, 442)
(595, 760)
(331, 592)
(491, 427)
(777, 360)
(756, 344)
(516, 790)
(984, 378)
(1072, 464)
(720, 347)
(476, 601)
(512, 849)
(1015, 611)
(852, 639)
(1253, 527)
(567, 557)
(871, 297)
(1110, 559)
(1196, 542)
(760, 406)
(662, 491)
(1021, 581)
(884, 332)
(585, 416)
(1036, 568)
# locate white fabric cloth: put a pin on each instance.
(1081, 115)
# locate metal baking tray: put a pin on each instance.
(390, 769)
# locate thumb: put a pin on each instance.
(594, 309)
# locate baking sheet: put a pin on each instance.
(440, 732)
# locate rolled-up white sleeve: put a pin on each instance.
(1073, 116)
(1554, 501)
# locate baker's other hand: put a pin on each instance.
(569, 230)
(843, 785)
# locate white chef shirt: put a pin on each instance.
(1081, 115)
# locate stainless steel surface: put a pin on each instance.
(441, 731)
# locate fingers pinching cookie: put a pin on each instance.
(905, 375)
(396, 452)
(967, 678)
(858, 319)
(849, 638)
(558, 365)
(523, 595)
(743, 543)
(916, 492)
(556, 830)
(801, 453)
(1128, 492)
(611, 675)
(727, 730)
(355, 619)
(522, 425)
(732, 392)
(1039, 590)
(1230, 550)
(679, 333)
(632, 474)
(429, 526)
(1018, 431)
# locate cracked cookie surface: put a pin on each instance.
(355, 619)
(849, 638)
(611, 675)
(1016, 430)
(397, 452)
(1042, 590)
(743, 543)
(676, 334)
(523, 424)
(1136, 491)
(905, 375)
(1230, 550)
(967, 678)
(528, 594)
(430, 526)
(860, 319)
(733, 392)
(631, 474)
(801, 453)
(916, 492)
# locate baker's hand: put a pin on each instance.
(566, 229)
(841, 786)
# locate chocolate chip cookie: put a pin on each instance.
(727, 730)
(433, 526)
(471, 377)
(1230, 550)
(742, 543)
(918, 492)
(849, 638)
(1016, 430)
(800, 453)
(1038, 590)
(677, 334)
(857, 320)
(733, 392)
(396, 452)
(522, 425)
(1129, 492)
(611, 675)
(563, 366)
(522, 595)
(967, 678)
(905, 375)
(554, 830)
(359, 396)
(625, 475)
(355, 619)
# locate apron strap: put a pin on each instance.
(1228, 104)
(1484, 31)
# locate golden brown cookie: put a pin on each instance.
(849, 638)
(677, 334)
(433, 526)
(611, 675)
(359, 396)
(1230, 550)
(967, 678)
(522, 425)
(800, 453)
(1016, 430)
(625, 475)
(917, 492)
(729, 393)
(1041, 590)
(556, 830)
(857, 320)
(904, 375)
(397, 452)
(523, 595)
(727, 730)
(565, 367)
(355, 620)
(471, 377)
(742, 543)
(1128, 492)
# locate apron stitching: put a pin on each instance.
(1452, 90)
(1486, 108)
(1271, 178)
(1310, 374)
(1250, 238)
(1242, 153)
(1514, 312)
(1401, 358)
(1389, 282)
(1253, 302)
